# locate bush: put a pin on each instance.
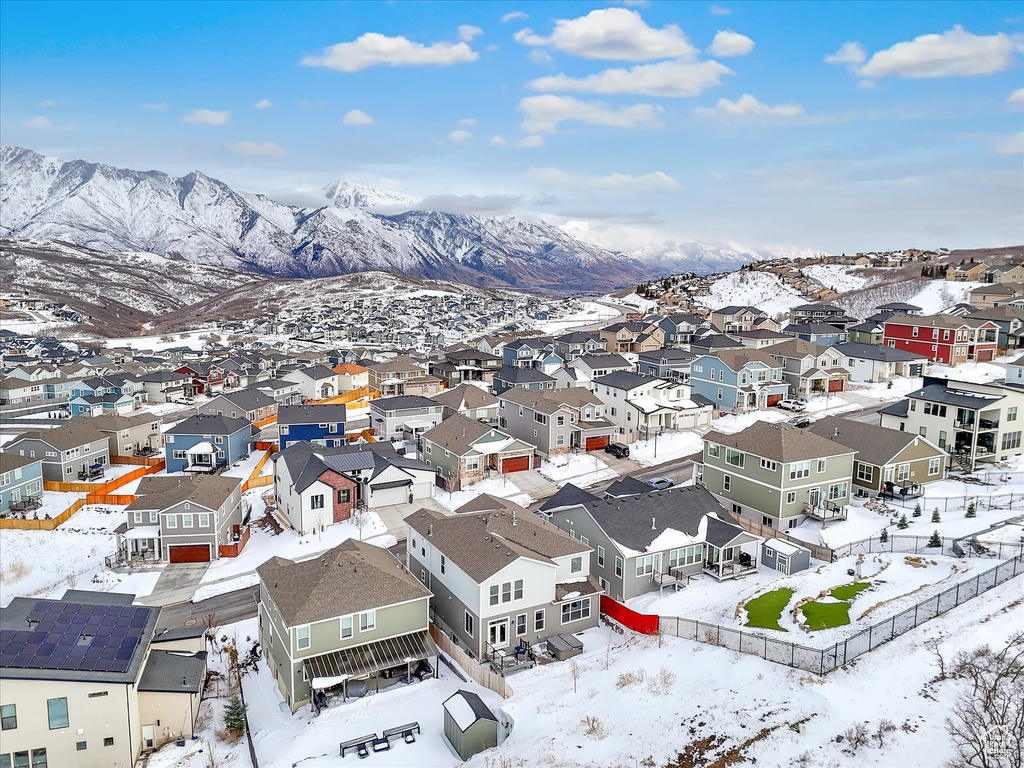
(917, 510)
(856, 736)
(630, 678)
(935, 540)
(903, 523)
(234, 716)
(936, 517)
(883, 536)
(595, 728)
(970, 511)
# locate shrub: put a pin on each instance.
(903, 523)
(856, 736)
(883, 536)
(594, 727)
(234, 716)
(935, 540)
(936, 517)
(970, 511)
(631, 677)
(917, 510)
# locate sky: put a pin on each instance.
(836, 126)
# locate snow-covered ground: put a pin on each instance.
(501, 486)
(938, 295)
(591, 313)
(669, 446)
(581, 469)
(757, 289)
(980, 373)
(838, 277)
(245, 467)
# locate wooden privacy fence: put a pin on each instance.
(254, 480)
(137, 460)
(347, 397)
(639, 622)
(266, 421)
(483, 675)
(42, 525)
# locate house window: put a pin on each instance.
(108, 741)
(737, 509)
(538, 620)
(80, 745)
(517, 593)
(576, 610)
(172, 521)
(186, 521)
(1011, 440)
(719, 393)
(473, 464)
(618, 566)
(469, 623)
(494, 594)
(600, 556)
(822, 463)
(179, 455)
(346, 627)
(316, 501)
(771, 466)
(614, 411)
(576, 565)
(506, 592)
(57, 713)
(791, 497)
(302, 638)
(837, 491)
(713, 450)
(520, 625)
(726, 482)
(367, 621)
(343, 496)
(8, 717)
(733, 457)
(138, 518)
(283, 429)
(204, 520)
(1011, 414)
(799, 469)
(645, 565)
(559, 439)
(864, 472)
(934, 466)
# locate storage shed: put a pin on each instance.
(469, 725)
(784, 556)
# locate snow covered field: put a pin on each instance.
(938, 295)
(669, 446)
(582, 469)
(591, 313)
(838, 277)
(500, 486)
(759, 289)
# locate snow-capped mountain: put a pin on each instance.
(672, 257)
(356, 194)
(200, 219)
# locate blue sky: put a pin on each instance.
(839, 126)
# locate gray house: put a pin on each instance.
(470, 401)
(462, 451)
(404, 417)
(469, 726)
(69, 453)
(248, 404)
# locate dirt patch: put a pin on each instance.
(706, 752)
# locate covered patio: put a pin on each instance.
(729, 551)
(202, 458)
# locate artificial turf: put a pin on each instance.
(850, 591)
(766, 610)
(826, 615)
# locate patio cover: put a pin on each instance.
(369, 658)
(203, 447)
(143, 532)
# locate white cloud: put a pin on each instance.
(262, 104)
(728, 43)
(467, 122)
(460, 137)
(848, 53)
(1011, 145)
(467, 32)
(47, 103)
(207, 117)
(953, 53)
(474, 204)
(612, 33)
(498, 141)
(356, 117)
(867, 85)
(160, 107)
(255, 149)
(544, 113)
(748, 106)
(617, 183)
(541, 57)
(39, 123)
(668, 79)
(536, 141)
(373, 49)
(513, 16)
(717, 10)
(1017, 97)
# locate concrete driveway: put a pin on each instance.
(177, 583)
(394, 515)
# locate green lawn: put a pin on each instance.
(850, 591)
(766, 610)
(826, 615)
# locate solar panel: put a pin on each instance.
(120, 665)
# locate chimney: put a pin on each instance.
(653, 526)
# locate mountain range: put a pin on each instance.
(199, 219)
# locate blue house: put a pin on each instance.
(21, 483)
(97, 405)
(205, 442)
(531, 353)
(816, 333)
(739, 379)
(318, 424)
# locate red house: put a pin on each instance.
(943, 338)
(206, 377)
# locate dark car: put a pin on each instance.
(618, 450)
(799, 421)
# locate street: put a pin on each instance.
(227, 608)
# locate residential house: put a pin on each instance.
(95, 405)
(821, 313)
(21, 483)
(642, 406)
(207, 376)
(678, 328)
(576, 344)
(868, 332)
(462, 451)
(666, 364)
(650, 540)
(204, 443)
(900, 308)
(501, 575)
(810, 368)
(759, 338)
(404, 417)
(590, 367)
(317, 486)
(877, 362)
(968, 271)
(887, 460)
(816, 333)
(69, 453)
(1010, 321)
(741, 318)
(778, 475)
(943, 338)
(1003, 273)
(712, 343)
(167, 386)
(351, 376)
(106, 692)
(401, 376)
(469, 400)
(464, 365)
(538, 354)
(529, 378)
(131, 436)
(739, 380)
(16, 390)
(317, 382)
(994, 295)
(182, 519)
(332, 625)
(251, 404)
(282, 391)
(318, 424)
(974, 422)
(546, 420)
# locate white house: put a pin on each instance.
(642, 406)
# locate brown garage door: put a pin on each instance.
(836, 385)
(196, 553)
(597, 443)
(517, 464)
(984, 355)
(773, 399)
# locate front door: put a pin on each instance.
(497, 634)
(148, 736)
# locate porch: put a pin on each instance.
(136, 546)
(825, 511)
(26, 504)
(511, 659)
(201, 458)
(733, 559)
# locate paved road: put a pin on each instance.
(867, 415)
(228, 608)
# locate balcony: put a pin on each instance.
(27, 504)
(968, 424)
(987, 425)
(825, 511)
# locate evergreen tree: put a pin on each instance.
(884, 535)
(936, 518)
(970, 510)
(234, 716)
(935, 540)
(917, 510)
(902, 524)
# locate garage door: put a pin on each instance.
(773, 399)
(836, 385)
(597, 443)
(985, 355)
(197, 553)
(518, 464)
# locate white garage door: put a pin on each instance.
(383, 497)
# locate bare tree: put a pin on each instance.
(885, 727)
(574, 672)
(360, 518)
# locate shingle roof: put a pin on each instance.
(735, 359)
(626, 486)
(874, 444)
(72, 434)
(877, 352)
(466, 395)
(209, 424)
(174, 672)
(625, 380)
(457, 433)
(567, 496)
(12, 461)
(514, 375)
(163, 491)
(937, 321)
(352, 577)
(247, 399)
(401, 403)
(779, 442)
(312, 414)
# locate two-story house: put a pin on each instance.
(817, 333)
(538, 354)
(319, 424)
(821, 313)
(678, 328)
(131, 436)
(182, 519)
(351, 376)
(167, 386)
(70, 452)
(642, 406)
(205, 442)
(741, 318)
(810, 368)
(251, 404)
(471, 401)
(879, 362)
(404, 417)
(501, 575)
(1010, 323)
(514, 376)
(463, 365)
(21, 483)
(943, 338)
(317, 382)
(739, 379)
(462, 451)
(341, 623)
(207, 376)
(401, 376)
(646, 541)
(778, 475)
(666, 364)
(570, 346)
(590, 367)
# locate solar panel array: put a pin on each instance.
(72, 636)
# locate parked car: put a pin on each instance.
(618, 450)
(799, 421)
(791, 405)
(660, 483)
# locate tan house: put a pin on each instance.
(402, 376)
(111, 687)
(131, 436)
(351, 376)
(968, 272)
(994, 294)
(1004, 273)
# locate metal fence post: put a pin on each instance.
(957, 595)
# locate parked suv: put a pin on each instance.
(792, 405)
(618, 450)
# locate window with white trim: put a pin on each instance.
(538, 620)
(367, 621)
(302, 638)
(346, 627)
(576, 610)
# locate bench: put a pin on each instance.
(405, 731)
(359, 745)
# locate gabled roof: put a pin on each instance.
(779, 442)
(352, 577)
(938, 321)
(877, 352)
(515, 375)
(567, 496)
(458, 433)
(604, 361)
(210, 424)
(466, 396)
(163, 491)
(75, 433)
(626, 486)
(625, 380)
(402, 403)
(737, 359)
(874, 444)
(247, 399)
(312, 414)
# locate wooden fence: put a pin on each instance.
(42, 525)
(363, 393)
(255, 480)
(264, 422)
(486, 677)
(137, 460)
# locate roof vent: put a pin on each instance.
(514, 517)
(835, 434)
(653, 526)
(430, 530)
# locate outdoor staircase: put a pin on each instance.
(963, 459)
